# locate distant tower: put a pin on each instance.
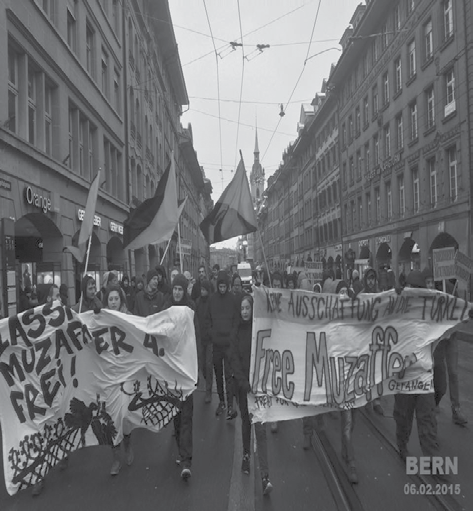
(256, 176)
(257, 188)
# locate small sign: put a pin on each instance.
(114, 227)
(6, 185)
(97, 219)
(463, 266)
(444, 263)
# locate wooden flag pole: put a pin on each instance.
(264, 257)
(165, 252)
(85, 270)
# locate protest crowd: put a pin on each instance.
(223, 330)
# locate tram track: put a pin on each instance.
(442, 501)
(348, 497)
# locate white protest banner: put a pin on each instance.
(71, 380)
(443, 260)
(313, 353)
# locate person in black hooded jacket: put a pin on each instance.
(183, 420)
(222, 319)
(205, 352)
(240, 356)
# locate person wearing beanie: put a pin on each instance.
(240, 357)
(206, 351)
(163, 285)
(222, 320)
(150, 300)
(423, 405)
(183, 420)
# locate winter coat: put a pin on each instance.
(87, 305)
(222, 316)
(129, 293)
(201, 310)
(147, 303)
(240, 352)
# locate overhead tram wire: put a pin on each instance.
(241, 84)
(298, 80)
(251, 32)
(218, 91)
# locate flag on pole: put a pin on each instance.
(155, 219)
(87, 222)
(233, 215)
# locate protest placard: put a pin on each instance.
(443, 260)
(70, 380)
(314, 270)
(313, 353)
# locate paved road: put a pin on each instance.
(300, 480)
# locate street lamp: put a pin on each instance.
(245, 245)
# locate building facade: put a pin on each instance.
(90, 85)
(402, 92)
(390, 162)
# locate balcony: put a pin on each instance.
(132, 130)
(138, 140)
(131, 60)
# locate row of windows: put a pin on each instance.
(31, 96)
(361, 214)
(399, 14)
(352, 129)
(316, 235)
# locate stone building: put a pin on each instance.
(87, 85)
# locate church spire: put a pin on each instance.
(256, 151)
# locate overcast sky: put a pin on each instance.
(252, 83)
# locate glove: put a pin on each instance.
(97, 309)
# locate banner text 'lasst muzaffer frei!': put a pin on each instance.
(72, 380)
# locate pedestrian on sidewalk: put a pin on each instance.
(115, 299)
(222, 319)
(205, 353)
(183, 420)
(240, 356)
